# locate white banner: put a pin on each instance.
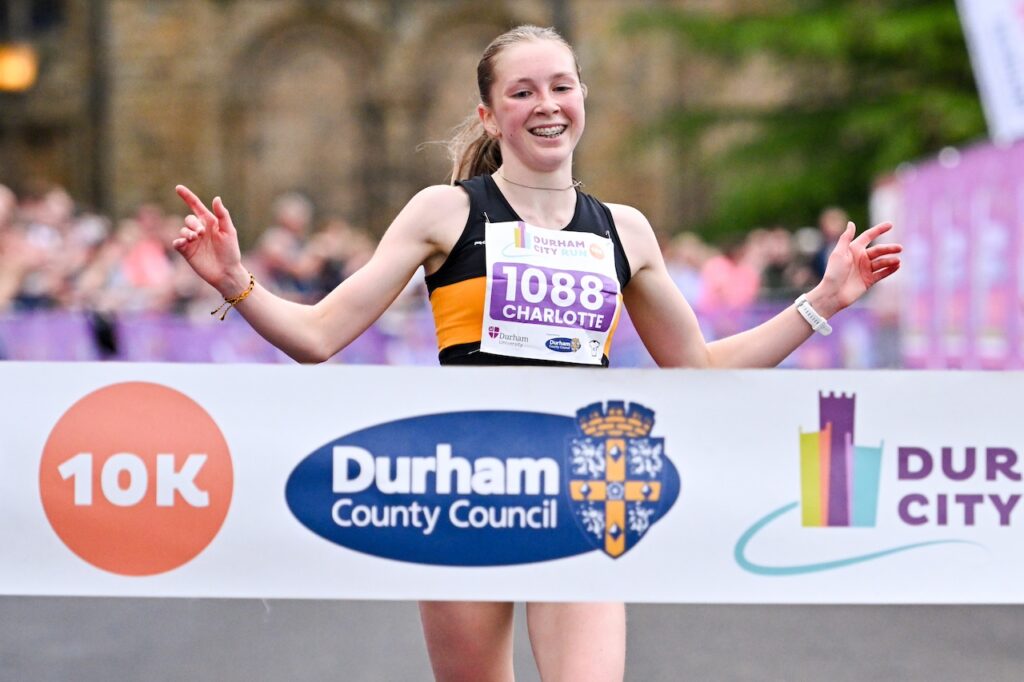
(995, 37)
(510, 484)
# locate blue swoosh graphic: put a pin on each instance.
(517, 252)
(747, 565)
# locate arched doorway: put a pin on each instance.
(296, 119)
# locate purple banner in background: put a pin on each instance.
(962, 287)
(397, 339)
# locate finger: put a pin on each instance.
(883, 273)
(195, 224)
(221, 211)
(885, 262)
(187, 234)
(883, 250)
(847, 236)
(180, 243)
(195, 204)
(869, 235)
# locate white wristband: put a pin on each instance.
(807, 311)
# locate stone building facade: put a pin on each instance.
(340, 99)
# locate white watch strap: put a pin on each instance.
(807, 311)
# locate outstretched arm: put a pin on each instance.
(313, 333)
(669, 328)
(853, 267)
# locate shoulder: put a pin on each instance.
(637, 235)
(440, 199)
(629, 218)
(430, 223)
(434, 212)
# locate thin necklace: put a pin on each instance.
(574, 185)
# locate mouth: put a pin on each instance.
(549, 132)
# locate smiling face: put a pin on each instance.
(536, 106)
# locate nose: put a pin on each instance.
(547, 103)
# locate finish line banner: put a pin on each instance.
(531, 484)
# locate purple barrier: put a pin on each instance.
(47, 336)
(859, 341)
(961, 287)
(168, 338)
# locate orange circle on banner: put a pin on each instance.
(136, 478)
(596, 251)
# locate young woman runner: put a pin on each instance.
(512, 177)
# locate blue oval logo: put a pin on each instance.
(489, 488)
(563, 345)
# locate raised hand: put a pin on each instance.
(209, 242)
(854, 266)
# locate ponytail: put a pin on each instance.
(472, 151)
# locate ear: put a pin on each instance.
(487, 120)
(583, 87)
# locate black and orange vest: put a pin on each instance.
(458, 288)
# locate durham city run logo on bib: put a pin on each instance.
(136, 478)
(840, 482)
(489, 488)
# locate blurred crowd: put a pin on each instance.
(765, 265)
(55, 256)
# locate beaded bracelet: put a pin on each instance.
(232, 302)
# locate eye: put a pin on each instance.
(521, 94)
(563, 88)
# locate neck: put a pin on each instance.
(558, 180)
(542, 199)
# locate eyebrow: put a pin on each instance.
(554, 77)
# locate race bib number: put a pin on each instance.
(551, 295)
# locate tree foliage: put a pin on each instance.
(881, 82)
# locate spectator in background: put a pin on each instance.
(8, 206)
(10, 245)
(785, 275)
(282, 259)
(145, 265)
(101, 286)
(340, 249)
(45, 215)
(832, 223)
(730, 281)
(685, 257)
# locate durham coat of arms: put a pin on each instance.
(616, 475)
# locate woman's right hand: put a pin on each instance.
(209, 242)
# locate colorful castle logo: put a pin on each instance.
(838, 480)
(838, 487)
(618, 475)
(520, 235)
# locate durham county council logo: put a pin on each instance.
(839, 484)
(489, 488)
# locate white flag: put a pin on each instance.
(995, 38)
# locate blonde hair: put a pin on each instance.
(472, 151)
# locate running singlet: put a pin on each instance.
(572, 316)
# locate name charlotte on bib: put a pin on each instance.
(551, 295)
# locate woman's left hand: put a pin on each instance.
(854, 266)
